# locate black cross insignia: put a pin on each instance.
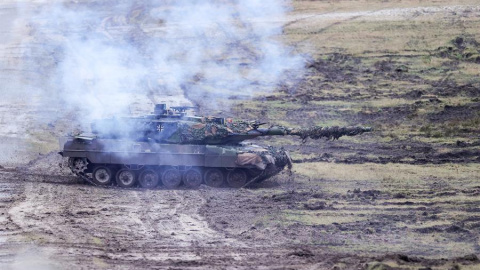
(160, 127)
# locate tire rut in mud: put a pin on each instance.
(126, 226)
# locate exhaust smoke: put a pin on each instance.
(103, 56)
(84, 60)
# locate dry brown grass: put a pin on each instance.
(386, 177)
(354, 27)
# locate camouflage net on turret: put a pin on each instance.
(214, 132)
(331, 133)
(198, 132)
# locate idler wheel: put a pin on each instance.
(102, 175)
(148, 179)
(126, 178)
(237, 178)
(171, 178)
(214, 177)
(192, 178)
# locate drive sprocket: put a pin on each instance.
(78, 165)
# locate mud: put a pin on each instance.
(58, 222)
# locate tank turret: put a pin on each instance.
(172, 147)
(174, 126)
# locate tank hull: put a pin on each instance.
(239, 165)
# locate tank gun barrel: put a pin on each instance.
(315, 132)
(174, 126)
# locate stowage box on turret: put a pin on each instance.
(171, 147)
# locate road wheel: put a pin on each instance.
(192, 178)
(148, 179)
(126, 178)
(214, 177)
(102, 175)
(171, 178)
(237, 178)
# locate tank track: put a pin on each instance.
(80, 167)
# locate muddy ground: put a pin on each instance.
(406, 196)
(293, 222)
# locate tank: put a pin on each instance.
(171, 148)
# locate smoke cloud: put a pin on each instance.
(70, 62)
(100, 55)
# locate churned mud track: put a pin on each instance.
(418, 214)
(121, 225)
(82, 226)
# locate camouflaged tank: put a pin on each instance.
(173, 148)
